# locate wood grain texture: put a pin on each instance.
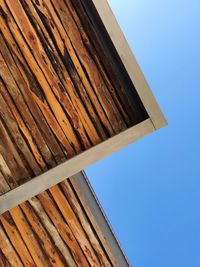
(53, 229)
(61, 90)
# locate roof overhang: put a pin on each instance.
(84, 213)
(152, 122)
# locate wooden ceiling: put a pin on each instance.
(63, 88)
(56, 228)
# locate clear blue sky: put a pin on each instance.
(151, 189)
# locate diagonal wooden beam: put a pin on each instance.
(73, 166)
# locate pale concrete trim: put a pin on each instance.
(130, 62)
(73, 166)
(101, 219)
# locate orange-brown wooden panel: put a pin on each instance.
(63, 88)
(54, 229)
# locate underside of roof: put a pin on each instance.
(63, 226)
(63, 89)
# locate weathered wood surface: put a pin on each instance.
(53, 229)
(62, 90)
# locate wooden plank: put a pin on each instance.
(16, 240)
(53, 255)
(9, 86)
(72, 166)
(29, 238)
(8, 250)
(4, 187)
(3, 261)
(23, 128)
(74, 225)
(7, 175)
(35, 66)
(85, 223)
(37, 206)
(10, 122)
(13, 159)
(41, 133)
(63, 229)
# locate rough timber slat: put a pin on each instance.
(16, 239)
(40, 232)
(63, 88)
